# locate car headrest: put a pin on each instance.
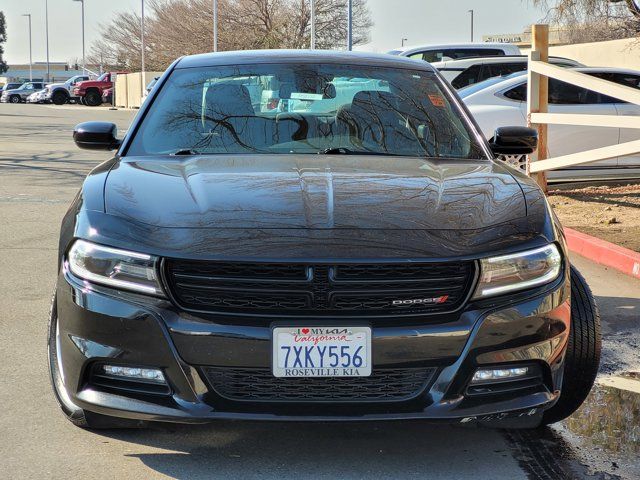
(228, 100)
(286, 89)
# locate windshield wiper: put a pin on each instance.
(348, 151)
(186, 151)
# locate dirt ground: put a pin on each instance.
(611, 213)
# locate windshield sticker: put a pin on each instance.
(436, 100)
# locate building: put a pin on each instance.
(523, 40)
(58, 72)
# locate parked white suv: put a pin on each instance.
(60, 93)
(452, 51)
(468, 71)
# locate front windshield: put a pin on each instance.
(308, 108)
(102, 78)
(476, 87)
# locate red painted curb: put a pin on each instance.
(603, 252)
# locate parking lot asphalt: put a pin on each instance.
(40, 172)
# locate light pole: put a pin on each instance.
(403, 40)
(143, 47)
(46, 28)
(471, 12)
(313, 24)
(30, 55)
(350, 26)
(84, 68)
(215, 25)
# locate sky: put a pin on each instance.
(419, 21)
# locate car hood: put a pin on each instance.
(89, 83)
(312, 192)
(56, 85)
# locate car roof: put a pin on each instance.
(249, 57)
(429, 46)
(462, 62)
(629, 71)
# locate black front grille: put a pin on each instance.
(317, 289)
(259, 384)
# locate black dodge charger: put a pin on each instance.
(295, 235)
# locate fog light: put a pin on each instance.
(490, 374)
(146, 374)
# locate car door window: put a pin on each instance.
(470, 76)
(517, 93)
(504, 69)
(432, 55)
(628, 80)
(457, 53)
(560, 93)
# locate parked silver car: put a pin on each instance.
(10, 86)
(22, 93)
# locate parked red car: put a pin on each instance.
(90, 92)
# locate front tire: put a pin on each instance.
(93, 99)
(59, 98)
(15, 99)
(76, 415)
(583, 351)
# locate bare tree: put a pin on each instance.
(184, 27)
(3, 38)
(592, 20)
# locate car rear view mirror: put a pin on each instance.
(96, 136)
(514, 141)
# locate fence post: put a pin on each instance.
(538, 97)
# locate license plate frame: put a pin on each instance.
(360, 335)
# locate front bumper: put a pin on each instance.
(98, 325)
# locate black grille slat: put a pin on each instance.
(259, 384)
(241, 270)
(247, 301)
(317, 289)
(412, 271)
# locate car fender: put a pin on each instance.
(60, 89)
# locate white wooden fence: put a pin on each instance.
(538, 116)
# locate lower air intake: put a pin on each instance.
(259, 384)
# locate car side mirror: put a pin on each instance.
(514, 141)
(96, 136)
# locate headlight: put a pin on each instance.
(517, 271)
(114, 267)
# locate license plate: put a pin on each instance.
(321, 351)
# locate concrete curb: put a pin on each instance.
(603, 252)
